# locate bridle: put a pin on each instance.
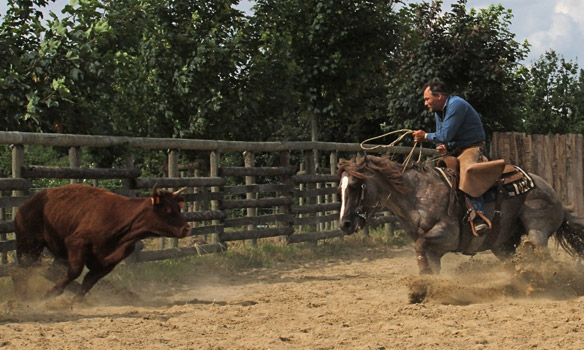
(360, 211)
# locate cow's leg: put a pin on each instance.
(119, 254)
(92, 277)
(55, 272)
(28, 253)
(76, 259)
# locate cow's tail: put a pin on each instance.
(570, 235)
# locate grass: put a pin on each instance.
(270, 253)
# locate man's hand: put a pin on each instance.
(419, 135)
(441, 149)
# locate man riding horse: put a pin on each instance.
(460, 133)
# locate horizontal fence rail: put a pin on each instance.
(297, 203)
(47, 172)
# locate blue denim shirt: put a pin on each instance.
(461, 125)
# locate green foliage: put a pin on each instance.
(156, 67)
(321, 59)
(20, 35)
(473, 52)
(200, 69)
(554, 96)
(203, 69)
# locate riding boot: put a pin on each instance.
(475, 215)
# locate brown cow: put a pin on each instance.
(88, 226)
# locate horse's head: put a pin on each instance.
(358, 195)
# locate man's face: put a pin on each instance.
(435, 103)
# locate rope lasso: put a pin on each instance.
(404, 133)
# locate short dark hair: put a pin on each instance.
(437, 87)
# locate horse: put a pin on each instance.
(420, 198)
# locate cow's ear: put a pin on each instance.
(155, 198)
(181, 204)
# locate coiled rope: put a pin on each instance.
(404, 133)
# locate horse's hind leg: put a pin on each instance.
(542, 213)
(538, 234)
(541, 226)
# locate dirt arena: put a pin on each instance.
(361, 299)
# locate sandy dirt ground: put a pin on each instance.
(369, 299)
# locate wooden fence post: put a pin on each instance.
(214, 161)
(286, 180)
(301, 170)
(4, 256)
(17, 163)
(196, 205)
(249, 161)
(578, 178)
(319, 198)
(128, 162)
(389, 228)
(333, 160)
(310, 170)
(558, 159)
(75, 161)
(173, 156)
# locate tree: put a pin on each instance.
(192, 59)
(20, 87)
(554, 96)
(473, 52)
(321, 59)
(66, 74)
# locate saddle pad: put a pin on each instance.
(514, 184)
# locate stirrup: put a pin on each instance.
(472, 224)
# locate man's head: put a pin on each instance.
(435, 95)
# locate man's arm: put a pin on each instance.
(419, 136)
(448, 127)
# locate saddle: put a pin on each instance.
(512, 182)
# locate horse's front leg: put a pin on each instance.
(428, 261)
(422, 257)
(431, 245)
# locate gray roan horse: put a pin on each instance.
(419, 197)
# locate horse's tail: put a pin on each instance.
(570, 235)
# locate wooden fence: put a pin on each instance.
(556, 158)
(298, 206)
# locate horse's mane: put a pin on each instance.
(386, 167)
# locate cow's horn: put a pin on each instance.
(176, 193)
